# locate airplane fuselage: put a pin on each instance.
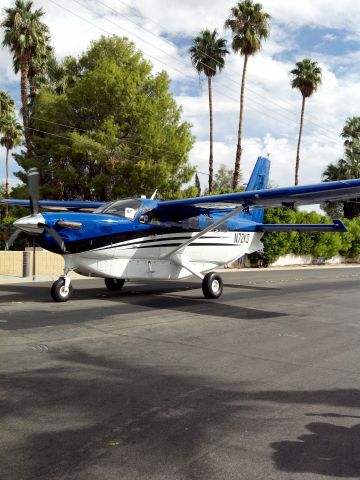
(145, 257)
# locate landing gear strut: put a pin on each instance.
(114, 284)
(212, 285)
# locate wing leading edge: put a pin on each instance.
(57, 204)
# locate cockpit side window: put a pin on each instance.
(122, 208)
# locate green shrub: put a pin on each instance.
(309, 243)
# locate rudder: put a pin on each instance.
(258, 181)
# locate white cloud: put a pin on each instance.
(330, 37)
(272, 107)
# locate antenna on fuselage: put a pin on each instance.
(153, 195)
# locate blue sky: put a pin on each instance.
(320, 30)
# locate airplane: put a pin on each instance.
(148, 239)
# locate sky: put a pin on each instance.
(325, 31)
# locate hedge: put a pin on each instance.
(304, 243)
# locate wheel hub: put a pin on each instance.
(215, 286)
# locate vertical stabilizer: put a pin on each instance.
(259, 180)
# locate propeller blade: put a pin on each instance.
(12, 239)
(34, 189)
(51, 231)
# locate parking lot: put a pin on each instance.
(156, 382)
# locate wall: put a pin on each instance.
(47, 263)
(291, 259)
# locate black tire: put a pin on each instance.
(57, 291)
(212, 285)
(114, 284)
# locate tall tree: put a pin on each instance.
(7, 104)
(27, 37)
(306, 77)
(208, 56)
(347, 167)
(126, 135)
(197, 185)
(10, 137)
(61, 75)
(249, 25)
(38, 67)
(351, 131)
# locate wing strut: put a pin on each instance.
(200, 234)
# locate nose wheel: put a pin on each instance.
(212, 285)
(61, 290)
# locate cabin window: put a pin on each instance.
(122, 208)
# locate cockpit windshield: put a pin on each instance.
(121, 208)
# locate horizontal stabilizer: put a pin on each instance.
(337, 226)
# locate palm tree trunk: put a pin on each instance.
(238, 147)
(211, 157)
(24, 68)
(6, 210)
(299, 141)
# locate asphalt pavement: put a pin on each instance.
(156, 382)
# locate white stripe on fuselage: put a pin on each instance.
(226, 238)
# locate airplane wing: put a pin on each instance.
(73, 205)
(275, 197)
(269, 198)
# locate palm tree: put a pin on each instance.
(38, 69)
(250, 25)
(7, 104)
(306, 77)
(26, 36)
(10, 137)
(345, 168)
(351, 131)
(60, 75)
(208, 56)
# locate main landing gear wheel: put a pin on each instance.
(114, 283)
(58, 291)
(212, 285)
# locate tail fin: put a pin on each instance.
(259, 180)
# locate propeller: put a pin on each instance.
(34, 224)
(51, 231)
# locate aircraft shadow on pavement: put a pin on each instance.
(87, 411)
(40, 293)
(132, 300)
(133, 305)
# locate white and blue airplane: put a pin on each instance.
(147, 239)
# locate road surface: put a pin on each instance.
(156, 382)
